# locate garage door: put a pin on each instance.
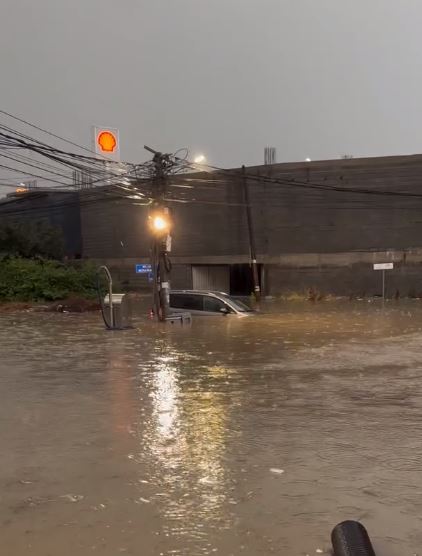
(214, 278)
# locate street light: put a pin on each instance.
(199, 159)
(160, 222)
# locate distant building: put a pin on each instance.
(59, 209)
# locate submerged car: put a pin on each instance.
(205, 303)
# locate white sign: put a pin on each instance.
(384, 266)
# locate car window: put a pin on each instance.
(239, 305)
(213, 305)
(187, 301)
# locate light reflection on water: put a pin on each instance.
(182, 441)
(161, 441)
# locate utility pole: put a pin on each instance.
(252, 248)
(160, 225)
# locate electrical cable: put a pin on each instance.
(174, 164)
(69, 159)
(254, 177)
(302, 184)
(91, 198)
(110, 177)
(34, 175)
(40, 163)
(15, 159)
(48, 132)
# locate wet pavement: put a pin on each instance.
(235, 436)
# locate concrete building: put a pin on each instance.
(307, 237)
(319, 225)
(58, 209)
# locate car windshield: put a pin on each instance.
(238, 305)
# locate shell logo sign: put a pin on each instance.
(106, 143)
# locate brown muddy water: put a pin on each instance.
(235, 436)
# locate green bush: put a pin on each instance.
(44, 280)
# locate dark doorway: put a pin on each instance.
(241, 282)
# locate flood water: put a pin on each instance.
(235, 436)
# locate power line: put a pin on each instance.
(34, 175)
(23, 141)
(81, 163)
(35, 166)
(52, 180)
(95, 197)
(267, 179)
(303, 184)
(57, 156)
(106, 175)
(41, 164)
(75, 200)
(48, 132)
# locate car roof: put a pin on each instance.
(200, 292)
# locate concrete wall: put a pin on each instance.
(306, 235)
(357, 280)
(297, 218)
(340, 274)
(292, 217)
(212, 225)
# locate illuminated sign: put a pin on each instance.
(106, 143)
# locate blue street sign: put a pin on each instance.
(143, 269)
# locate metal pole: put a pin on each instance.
(154, 266)
(383, 285)
(252, 249)
(164, 278)
(164, 282)
(110, 293)
(160, 250)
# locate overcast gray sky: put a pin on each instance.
(314, 78)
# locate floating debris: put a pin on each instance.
(99, 507)
(73, 497)
(207, 481)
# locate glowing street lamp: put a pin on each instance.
(200, 159)
(159, 222)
